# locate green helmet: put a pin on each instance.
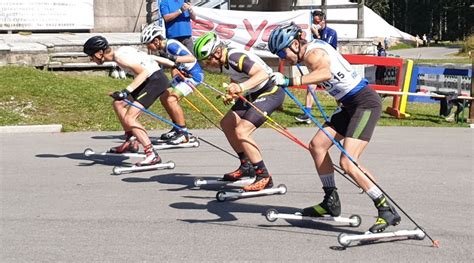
(205, 45)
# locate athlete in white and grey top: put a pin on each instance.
(354, 122)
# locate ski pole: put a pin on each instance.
(282, 130)
(315, 98)
(176, 126)
(202, 114)
(435, 243)
(183, 75)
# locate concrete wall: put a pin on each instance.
(120, 15)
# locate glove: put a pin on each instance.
(120, 95)
(228, 99)
(233, 88)
(279, 79)
(167, 55)
(180, 66)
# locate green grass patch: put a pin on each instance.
(80, 103)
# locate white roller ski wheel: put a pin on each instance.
(88, 152)
(198, 181)
(342, 240)
(271, 215)
(172, 164)
(198, 143)
(116, 170)
(220, 196)
(358, 220)
(421, 235)
(282, 188)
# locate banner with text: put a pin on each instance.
(248, 30)
(46, 14)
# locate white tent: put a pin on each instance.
(374, 25)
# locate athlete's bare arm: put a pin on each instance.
(319, 65)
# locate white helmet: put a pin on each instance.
(150, 32)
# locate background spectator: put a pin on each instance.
(320, 31)
(177, 15)
(380, 70)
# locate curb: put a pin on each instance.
(31, 128)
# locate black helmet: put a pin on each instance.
(94, 44)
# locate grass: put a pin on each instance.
(80, 103)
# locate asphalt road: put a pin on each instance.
(58, 205)
(426, 53)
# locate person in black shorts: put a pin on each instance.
(249, 77)
(353, 122)
(148, 84)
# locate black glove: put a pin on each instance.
(120, 95)
(168, 56)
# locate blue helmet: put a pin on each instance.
(282, 36)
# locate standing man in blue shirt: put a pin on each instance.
(320, 31)
(177, 15)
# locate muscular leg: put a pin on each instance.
(243, 131)
(164, 101)
(228, 124)
(174, 109)
(319, 147)
(355, 147)
(121, 111)
(131, 118)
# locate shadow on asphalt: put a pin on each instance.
(93, 160)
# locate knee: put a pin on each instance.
(346, 165)
(317, 149)
(240, 133)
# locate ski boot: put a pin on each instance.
(169, 135)
(245, 170)
(263, 181)
(387, 216)
(129, 146)
(329, 206)
(151, 157)
(178, 138)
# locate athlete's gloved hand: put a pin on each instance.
(228, 99)
(279, 79)
(167, 55)
(120, 95)
(233, 88)
(180, 66)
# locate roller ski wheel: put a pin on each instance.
(356, 220)
(343, 240)
(271, 215)
(420, 234)
(282, 189)
(88, 152)
(220, 196)
(117, 170)
(171, 164)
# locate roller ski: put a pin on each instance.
(346, 239)
(189, 142)
(272, 215)
(127, 149)
(243, 176)
(261, 186)
(152, 161)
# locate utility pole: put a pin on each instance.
(360, 17)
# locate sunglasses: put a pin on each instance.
(281, 54)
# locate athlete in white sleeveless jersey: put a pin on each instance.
(353, 122)
(148, 84)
